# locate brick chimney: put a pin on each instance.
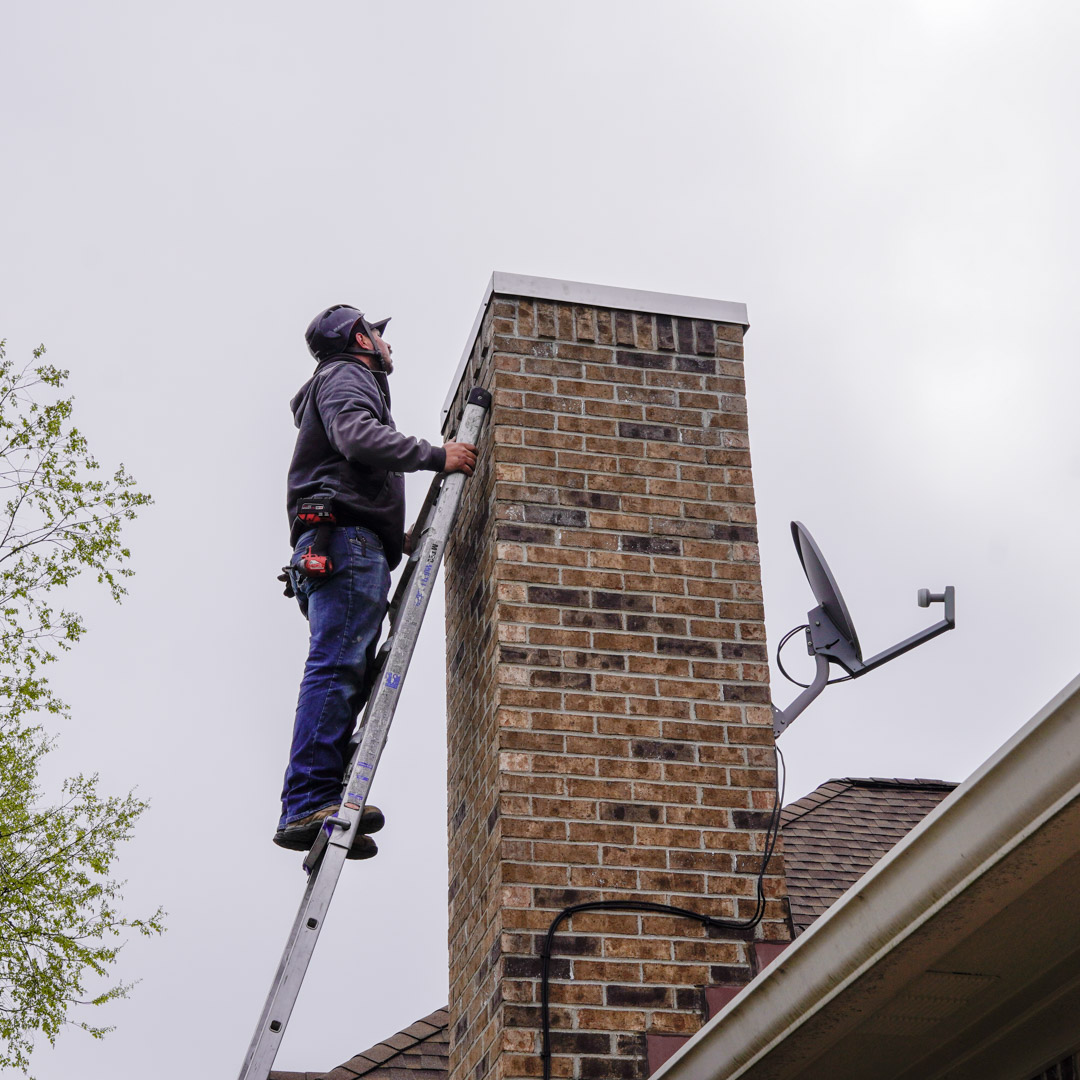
(608, 720)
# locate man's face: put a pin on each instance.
(384, 351)
(376, 342)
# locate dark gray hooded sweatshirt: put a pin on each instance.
(348, 447)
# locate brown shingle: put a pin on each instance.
(840, 830)
(419, 1052)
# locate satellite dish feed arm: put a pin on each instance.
(829, 645)
(782, 718)
(926, 598)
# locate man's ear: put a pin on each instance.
(363, 341)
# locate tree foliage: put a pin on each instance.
(61, 923)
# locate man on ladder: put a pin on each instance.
(346, 501)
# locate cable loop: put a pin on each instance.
(783, 671)
(772, 834)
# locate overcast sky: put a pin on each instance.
(890, 188)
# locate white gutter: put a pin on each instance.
(1032, 778)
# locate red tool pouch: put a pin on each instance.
(318, 513)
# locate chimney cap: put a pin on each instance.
(601, 296)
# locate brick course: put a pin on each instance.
(608, 719)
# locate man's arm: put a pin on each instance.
(460, 457)
(351, 407)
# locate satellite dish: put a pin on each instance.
(826, 591)
(830, 632)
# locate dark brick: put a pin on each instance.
(567, 680)
(477, 599)
(595, 661)
(751, 819)
(561, 898)
(690, 998)
(580, 1042)
(528, 967)
(700, 365)
(513, 654)
(665, 332)
(621, 601)
(655, 545)
(643, 360)
(686, 335)
(609, 1068)
(554, 515)
(728, 974)
(630, 1045)
(654, 750)
(630, 812)
(744, 533)
(737, 650)
(599, 499)
(596, 620)
(757, 694)
(571, 944)
(528, 1016)
(492, 818)
(507, 530)
(685, 647)
(656, 997)
(706, 339)
(544, 594)
(655, 624)
(655, 432)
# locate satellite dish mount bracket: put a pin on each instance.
(831, 637)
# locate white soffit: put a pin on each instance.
(599, 296)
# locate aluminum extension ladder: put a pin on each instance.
(324, 861)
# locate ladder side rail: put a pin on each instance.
(423, 520)
(291, 971)
(327, 856)
(404, 585)
(384, 698)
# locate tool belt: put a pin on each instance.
(317, 513)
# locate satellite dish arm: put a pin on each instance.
(830, 646)
(926, 598)
(783, 717)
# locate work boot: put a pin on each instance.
(300, 835)
(363, 847)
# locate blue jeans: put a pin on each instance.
(345, 612)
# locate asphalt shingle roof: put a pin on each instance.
(419, 1052)
(841, 829)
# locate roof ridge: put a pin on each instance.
(820, 797)
(917, 783)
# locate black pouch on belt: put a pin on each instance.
(317, 512)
